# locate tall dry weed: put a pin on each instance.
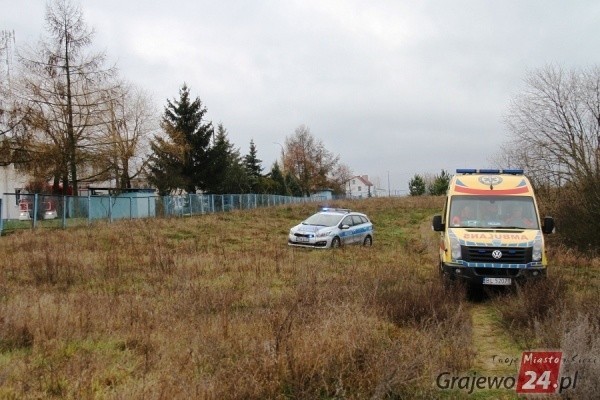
(533, 304)
(580, 343)
(219, 307)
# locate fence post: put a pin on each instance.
(110, 209)
(35, 209)
(190, 203)
(1, 218)
(64, 212)
(89, 207)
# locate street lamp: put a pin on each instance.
(282, 155)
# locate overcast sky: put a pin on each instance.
(395, 88)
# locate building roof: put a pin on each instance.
(364, 179)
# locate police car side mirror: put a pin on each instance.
(345, 227)
(548, 226)
(437, 224)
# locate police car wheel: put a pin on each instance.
(335, 242)
(368, 241)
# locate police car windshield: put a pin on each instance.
(493, 212)
(322, 219)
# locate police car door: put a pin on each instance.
(359, 231)
(346, 233)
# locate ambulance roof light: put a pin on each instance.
(489, 171)
(513, 171)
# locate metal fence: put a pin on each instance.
(28, 211)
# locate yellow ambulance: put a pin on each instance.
(491, 232)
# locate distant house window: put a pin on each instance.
(359, 189)
(17, 196)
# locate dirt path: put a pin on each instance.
(496, 353)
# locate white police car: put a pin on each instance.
(332, 227)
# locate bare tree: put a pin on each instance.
(554, 126)
(62, 89)
(129, 124)
(310, 162)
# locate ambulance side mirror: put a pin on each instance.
(548, 226)
(437, 224)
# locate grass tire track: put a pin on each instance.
(491, 342)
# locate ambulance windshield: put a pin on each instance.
(511, 212)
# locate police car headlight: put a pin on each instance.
(323, 234)
(455, 248)
(537, 249)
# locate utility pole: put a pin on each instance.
(389, 191)
(7, 42)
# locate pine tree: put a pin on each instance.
(276, 176)
(416, 186)
(294, 187)
(227, 170)
(439, 186)
(253, 168)
(181, 160)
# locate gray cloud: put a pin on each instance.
(396, 87)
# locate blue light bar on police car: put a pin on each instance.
(346, 210)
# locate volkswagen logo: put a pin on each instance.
(497, 254)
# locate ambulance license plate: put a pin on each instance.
(497, 281)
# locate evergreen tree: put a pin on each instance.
(236, 177)
(279, 185)
(227, 170)
(181, 159)
(253, 168)
(294, 187)
(416, 186)
(440, 183)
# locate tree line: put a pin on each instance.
(68, 119)
(421, 184)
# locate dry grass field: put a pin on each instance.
(219, 307)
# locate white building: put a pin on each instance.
(359, 186)
(11, 182)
